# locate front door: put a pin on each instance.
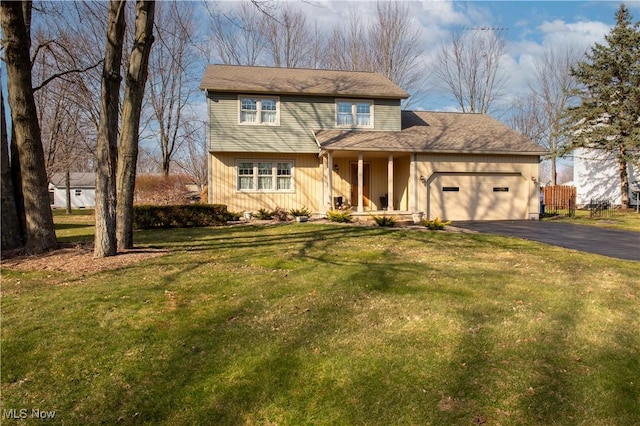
(366, 180)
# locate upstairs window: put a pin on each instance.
(248, 109)
(254, 110)
(354, 113)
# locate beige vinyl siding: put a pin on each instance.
(299, 118)
(307, 183)
(401, 169)
(490, 170)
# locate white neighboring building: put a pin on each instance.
(596, 177)
(83, 190)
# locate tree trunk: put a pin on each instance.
(131, 110)
(166, 163)
(67, 189)
(11, 235)
(16, 180)
(40, 232)
(107, 143)
(624, 179)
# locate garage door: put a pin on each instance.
(458, 196)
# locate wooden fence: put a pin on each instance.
(559, 200)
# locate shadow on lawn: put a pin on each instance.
(481, 392)
(208, 366)
(227, 382)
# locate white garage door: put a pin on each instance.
(457, 196)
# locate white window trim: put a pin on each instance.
(258, 121)
(354, 103)
(274, 174)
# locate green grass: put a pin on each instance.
(77, 226)
(326, 324)
(627, 220)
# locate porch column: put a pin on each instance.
(390, 205)
(330, 178)
(413, 179)
(360, 182)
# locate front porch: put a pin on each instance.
(370, 183)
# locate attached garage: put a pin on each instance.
(477, 196)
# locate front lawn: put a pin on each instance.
(627, 220)
(327, 324)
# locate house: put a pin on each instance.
(81, 185)
(596, 176)
(294, 138)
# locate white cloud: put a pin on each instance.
(580, 34)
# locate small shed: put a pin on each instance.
(82, 186)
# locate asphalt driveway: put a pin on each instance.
(607, 242)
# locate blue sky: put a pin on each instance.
(531, 27)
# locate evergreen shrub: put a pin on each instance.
(179, 216)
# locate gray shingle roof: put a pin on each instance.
(299, 81)
(438, 132)
(76, 180)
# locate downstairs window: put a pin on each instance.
(265, 176)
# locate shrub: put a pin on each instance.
(280, 214)
(264, 214)
(160, 190)
(179, 216)
(384, 220)
(300, 212)
(342, 216)
(436, 224)
(234, 216)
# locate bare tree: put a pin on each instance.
(287, 38)
(16, 24)
(347, 46)
(526, 117)
(238, 35)
(172, 78)
(553, 87)
(390, 46)
(469, 66)
(539, 114)
(394, 44)
(317, 49)
(106, 152)
(59, 114)
(192, 160)
(134, 94)
(66, 74)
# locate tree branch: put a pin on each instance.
(62, 74)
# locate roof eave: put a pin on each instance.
(431, 151)
(314, 94)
